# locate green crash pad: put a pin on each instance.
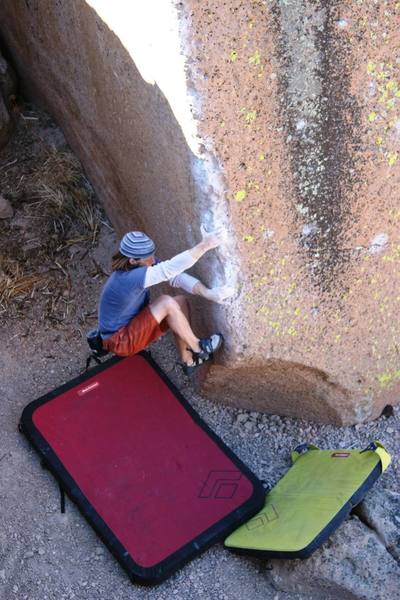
(310, 501)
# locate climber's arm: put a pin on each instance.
(168, 269)
(197, 288)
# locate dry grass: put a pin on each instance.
(55, 209)
(85, 210)
(65, 202)
(14, 283)
(58, 169)
(60, 194)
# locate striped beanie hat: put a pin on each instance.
(137, 244)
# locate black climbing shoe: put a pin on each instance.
(190, 369)
(208, 346)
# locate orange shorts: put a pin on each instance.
(136, 335)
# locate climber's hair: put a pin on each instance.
(121, 263)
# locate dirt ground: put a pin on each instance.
(54, 258)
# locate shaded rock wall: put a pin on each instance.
(120, 124)
(7, 97)
(284, 123)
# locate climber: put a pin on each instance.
(129, 321)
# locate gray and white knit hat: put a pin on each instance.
(136, 244)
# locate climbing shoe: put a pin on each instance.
(190, 369)
(208, 346)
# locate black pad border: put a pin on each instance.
(168, 566)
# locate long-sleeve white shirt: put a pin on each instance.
(172, 270)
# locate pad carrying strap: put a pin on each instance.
(379, 448)
(301, 449)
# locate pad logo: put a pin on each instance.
(88, 388)
(220, 485)
(340, 454)
(270, 514)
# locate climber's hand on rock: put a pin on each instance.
(213, 239)
(220, 293)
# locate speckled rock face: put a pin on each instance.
(295, 141)
(302, 102)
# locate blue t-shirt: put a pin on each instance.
(122, 297)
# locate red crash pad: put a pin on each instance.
(153, 480)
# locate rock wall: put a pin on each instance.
(280, 120)
(7, 98)
(303, 109)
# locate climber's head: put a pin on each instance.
(135, 250)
